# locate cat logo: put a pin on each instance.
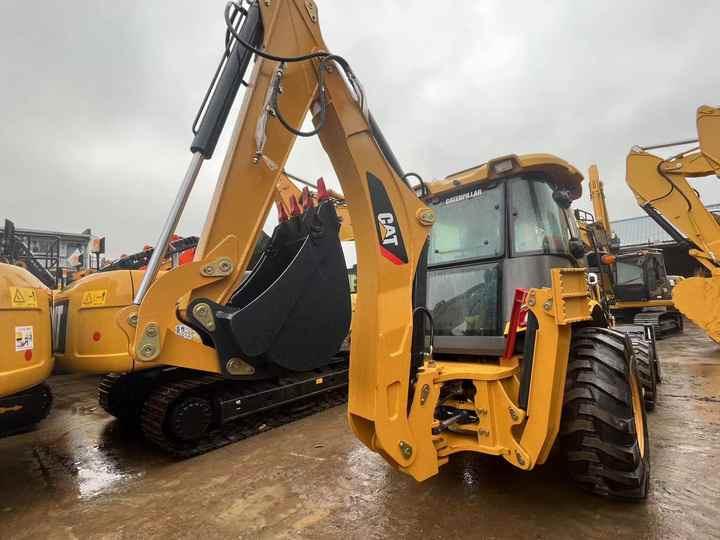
(390, 237)
(388, 234)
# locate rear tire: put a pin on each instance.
(604, 434)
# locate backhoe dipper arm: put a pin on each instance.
(390, 226)
(597, 197)
(663, 191)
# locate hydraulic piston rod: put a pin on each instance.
(668, 145)
(222, 92)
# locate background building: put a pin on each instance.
(50, 255)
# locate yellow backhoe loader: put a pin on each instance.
(662, 188)
(425, 381)
(25, 357)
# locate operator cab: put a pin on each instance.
(641, 276)
(499, 227)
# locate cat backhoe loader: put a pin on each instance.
(268, 337)
(636, 280)
(662, 188)
(25, 357)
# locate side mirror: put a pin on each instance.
(562, 198)
(577, 248)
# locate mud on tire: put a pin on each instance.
(604, 434)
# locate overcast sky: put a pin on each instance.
(98, 97)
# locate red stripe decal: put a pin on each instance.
(389, 256)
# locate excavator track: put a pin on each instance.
(23, 410)
(664, 322)
(187, 413)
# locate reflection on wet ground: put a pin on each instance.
(81, 475)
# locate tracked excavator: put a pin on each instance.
(662, 188)
(420, 389)
(635, 280)
(25, 357)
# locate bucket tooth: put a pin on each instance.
(322, 192)
(282, 213)
(306, 199)
(294, 207)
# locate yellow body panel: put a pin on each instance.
(93, 341)
(523, 438)
(25, 355)
(563, 173)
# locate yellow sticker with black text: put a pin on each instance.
(94, 298)
(23, 297)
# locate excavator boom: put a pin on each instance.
(662, 189)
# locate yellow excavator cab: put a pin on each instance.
(25, 351)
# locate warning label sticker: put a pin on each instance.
(23, 338)
(188, 333)
(94, 298)
(23, 297)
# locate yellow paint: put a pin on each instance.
(23, 297)
(663, 185)
(697, 298)
(24, 308)
(94, 298)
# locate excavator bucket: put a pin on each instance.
(697, 298)
(299, 288)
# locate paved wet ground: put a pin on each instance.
(80, 476)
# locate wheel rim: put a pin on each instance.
(637, 405)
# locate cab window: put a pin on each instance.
(537, 222)
(464, 300)
(470, 225)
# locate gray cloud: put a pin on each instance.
(98, 97)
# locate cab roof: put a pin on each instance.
(559, 171)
